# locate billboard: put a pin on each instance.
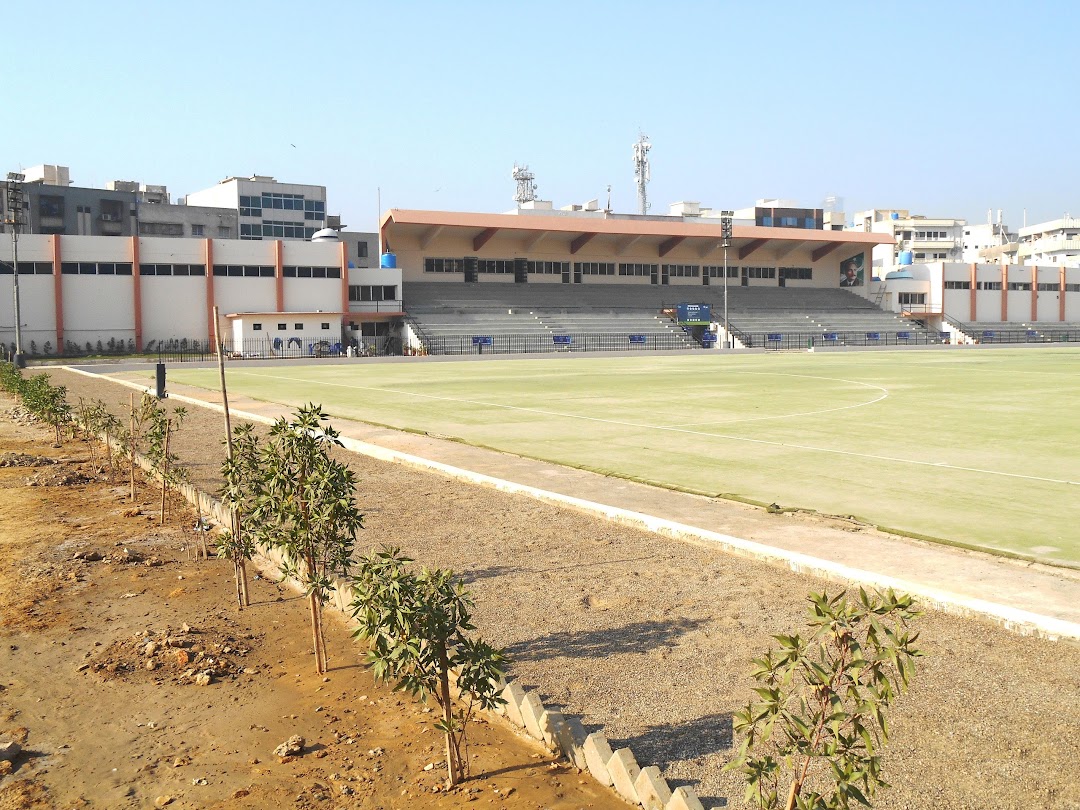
(694, 313)
(851, 271)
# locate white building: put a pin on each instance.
(985, 240)
(137, 292)
(927, 239)
(1054, 242)
(266, 208)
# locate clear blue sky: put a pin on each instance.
(946, 108)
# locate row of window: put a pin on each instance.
(311, 272)
(369, 292)
(29, 268)
(629, 269)
(169, 269)
(282, 201)
(272, 228)
(282, 327)
(931, 236)
(789, 222)
(267, 271)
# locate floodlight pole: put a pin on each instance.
(14, 205)
(725, 242)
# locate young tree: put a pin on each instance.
(820, 719)
(47, 402)
(416, 625)
(306, 508)
(241, 472)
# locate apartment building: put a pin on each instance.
(916, 239)
(267, 209)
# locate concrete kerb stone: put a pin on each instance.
(550, 720)
(571, 735)
(652, 789)
(683, 798)
(532, 708)
(513, 694)
(624, 770)
(597, 755)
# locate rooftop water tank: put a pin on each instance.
(894, 215)
(388, 260)
(906, 257)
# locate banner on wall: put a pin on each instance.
(851, 272)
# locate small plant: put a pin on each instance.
(819, 723)
(417, 625)
(47, 348)
(47, 402)
(306, 508)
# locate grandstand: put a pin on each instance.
(1011, 332)
(527, 317)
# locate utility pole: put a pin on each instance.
(725, 243)
(15, 208)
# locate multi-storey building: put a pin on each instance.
(916, 239)
(1054, 242)
(987, 240)
(267, 209)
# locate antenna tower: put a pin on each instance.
(641, 171)
(526, 184)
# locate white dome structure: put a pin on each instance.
(326, 235)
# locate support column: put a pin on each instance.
(136, 280)
(343, 256)
(1004, 293)
(1034, 293)
(1061, 294)
(974, 292)
(279, 274)
(58, 293)
(208, 257)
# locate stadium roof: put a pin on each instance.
(704, 234)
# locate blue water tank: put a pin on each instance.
(906, 257)
(894, 215)
(388, 260)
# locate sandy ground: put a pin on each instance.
(105, 723)
(650, 639)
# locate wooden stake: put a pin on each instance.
(131, 438)
(165, 469)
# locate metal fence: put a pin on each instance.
(544, 343)
(1023, 335)
(180, 351)
(780, 341)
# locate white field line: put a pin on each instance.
(683, 431)
(884, 393)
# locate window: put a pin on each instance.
(504, 266)
(957, 285)
(256, 327)
(908, 298)
(361, 250)
(988, 285)
(1072, 288)
(1052, 287)
(325, 326)
(548, 268)
(224, 232)
(682, 270)
(198, 230)
(444, 265)
(51, 206)
(760, 272)
(789, 222)
(637, 269)
(797, 273)
(28, 268)
(299, 327)
(235, 270)
(69, 268)
(282, 327)
(717, 271)
(766, 221)
(1021, 286)
(161, 228)
(280, 229)
(378, 292)
(595, 268)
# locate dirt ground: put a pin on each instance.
(650, 639)
(107, 622)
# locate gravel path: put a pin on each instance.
(651, 639)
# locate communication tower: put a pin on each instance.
(641, 171)
(526, 184)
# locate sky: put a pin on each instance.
(944, 108)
